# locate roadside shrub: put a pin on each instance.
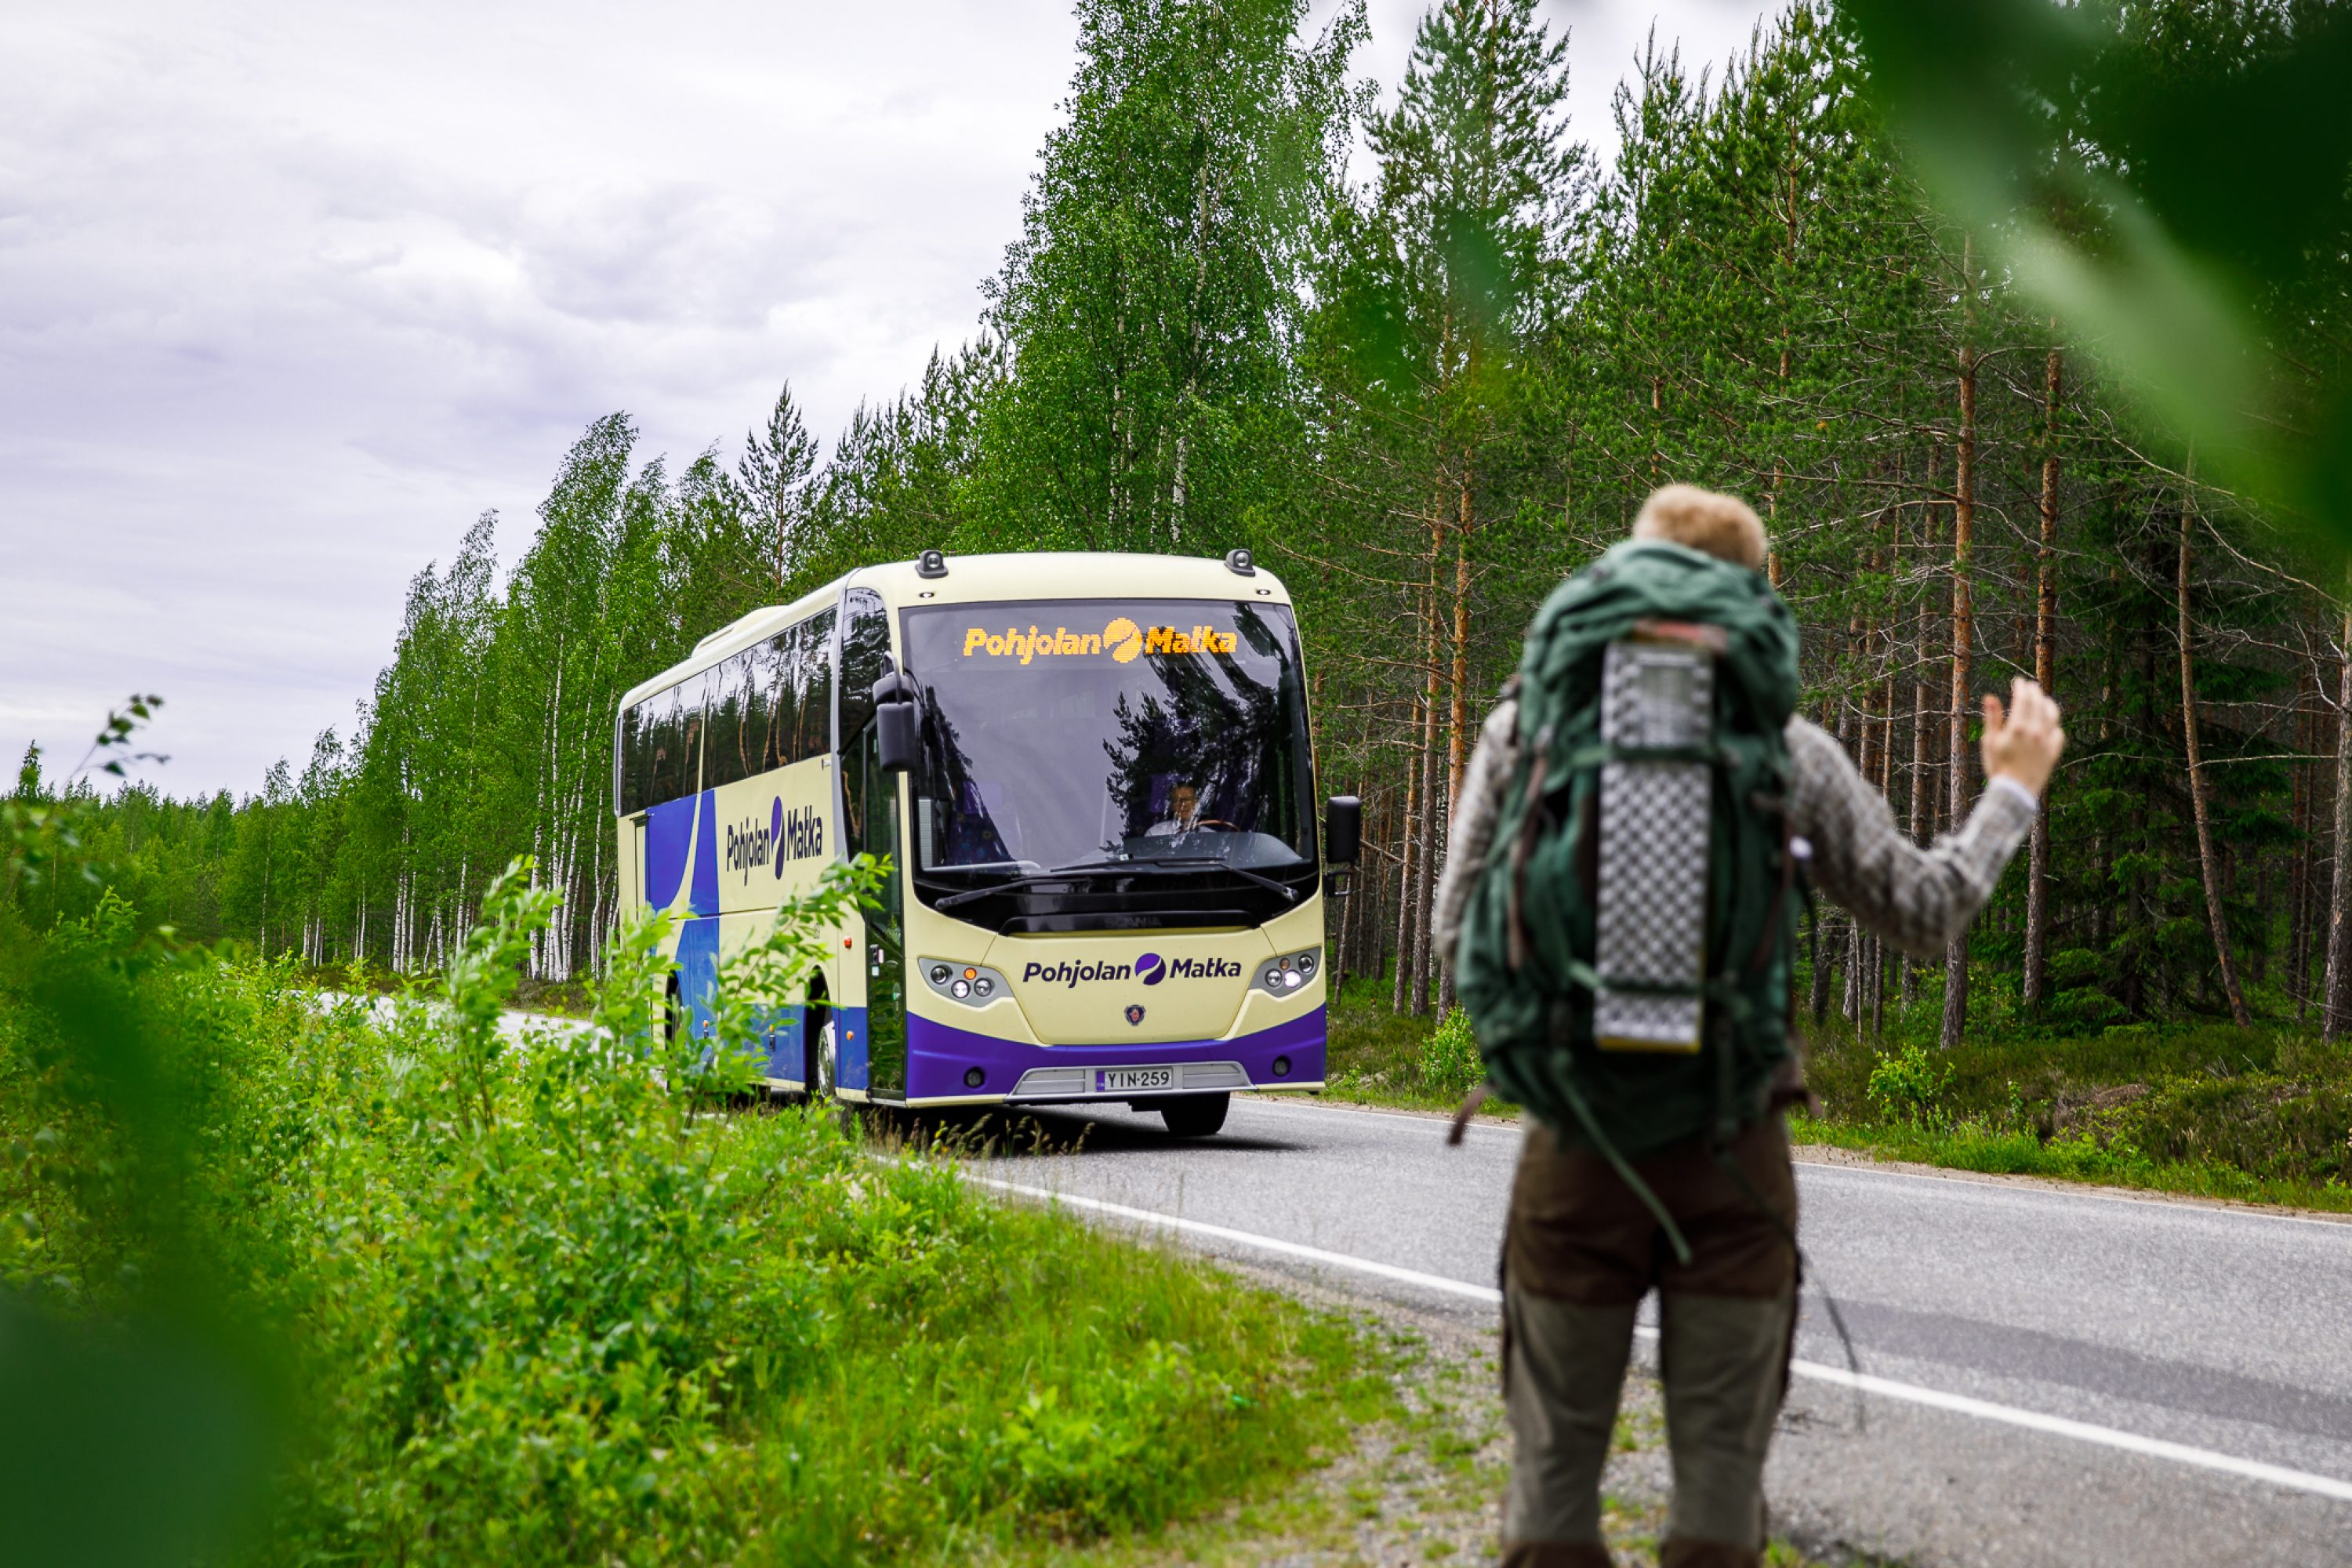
(1449, 1058)
(2269, 1126)
(1905, 1086)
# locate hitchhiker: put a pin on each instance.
(1629, 858)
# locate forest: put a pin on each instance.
(1425, 355)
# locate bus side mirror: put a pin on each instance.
(896, 736)
(1343, 829)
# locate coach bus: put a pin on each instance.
(1091, 775)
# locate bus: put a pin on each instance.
(1092, 778)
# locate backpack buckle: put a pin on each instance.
(1691, 634)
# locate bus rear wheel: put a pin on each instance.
(1195, 1115)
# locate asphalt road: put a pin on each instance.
(2062, 1376)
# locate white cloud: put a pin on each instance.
(289, 294)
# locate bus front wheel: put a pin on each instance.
(1195, 1115)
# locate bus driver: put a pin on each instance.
(1183, 814)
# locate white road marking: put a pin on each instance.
(2051, 1187)
(2081, 1431)
(1886, 1388)
(1426, 1118)
(1485, 1293)
(1995, 1180)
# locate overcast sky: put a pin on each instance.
(289, 293)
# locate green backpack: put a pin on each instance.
(1524, 963)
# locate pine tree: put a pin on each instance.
(775, 475)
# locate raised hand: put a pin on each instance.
(2023, 744)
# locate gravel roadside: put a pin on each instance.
(1425, 1484)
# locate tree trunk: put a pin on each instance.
(1964, 515)
(1425, 882)
(2298, 943)
(2335, 1008)
(1457, 739)
(1407, 861)
(1878, 949)
(2207, 861)
(1825, 943)
(1457, 718)
(2045, 623)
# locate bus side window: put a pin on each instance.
(751, 737)
(663, 766)
(636, 757)
(864, 644)
(816, 686)
(731, 718)
(694, 696)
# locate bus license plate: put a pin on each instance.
(1121, 1079)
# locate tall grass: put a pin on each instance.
(567, 1299)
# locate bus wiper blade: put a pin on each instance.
(1010, 883)
(1160, 865)
(1176, 865)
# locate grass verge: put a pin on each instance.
(2259, 1115)
(378, 1285)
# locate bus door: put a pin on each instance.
(873, 1038)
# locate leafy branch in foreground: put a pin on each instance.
(40, 832)
(2175, 184)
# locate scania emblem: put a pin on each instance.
(1135, 1012)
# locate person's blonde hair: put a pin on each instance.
(1719, 525)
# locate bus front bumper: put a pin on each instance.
(942, 1058)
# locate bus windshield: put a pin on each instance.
(1148, 736)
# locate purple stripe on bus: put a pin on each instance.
(849, 1058)
(939, 1054)
(669, 834)
(783, 1039)
(698, 972)
(704, 900)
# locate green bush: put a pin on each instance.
(1907, 1085)
(1449, 1060)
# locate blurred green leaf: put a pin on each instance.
(144, 1443)
(2170, 183)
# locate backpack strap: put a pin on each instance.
(1774, 805)
(1469, 1108)
(1531, 828)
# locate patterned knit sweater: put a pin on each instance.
(1918, 899)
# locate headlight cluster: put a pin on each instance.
(1285, 975)
(974, 984)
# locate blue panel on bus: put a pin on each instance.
(698, 972)
(850, 1059)
(785, 1044)
(669, 834)
(704, 897)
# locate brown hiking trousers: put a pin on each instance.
(1581, 1252)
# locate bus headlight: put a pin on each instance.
(1284, 976)
(974, 984)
